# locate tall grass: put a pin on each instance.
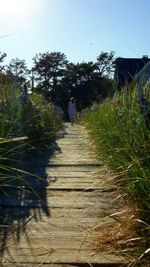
(123, 140)
(43, 122)
(26, 121)
(10, 111)
(26, 115)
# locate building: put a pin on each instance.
(127, 68)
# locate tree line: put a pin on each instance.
(53, 76)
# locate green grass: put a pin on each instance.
(30, 116)
(123, 141)
(25, 122)
(43, 122)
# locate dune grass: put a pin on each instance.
(122, 140)
(122, 137)
(26, 122)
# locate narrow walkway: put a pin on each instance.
(55, 225)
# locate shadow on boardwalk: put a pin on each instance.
(24, 197)
(57, 224)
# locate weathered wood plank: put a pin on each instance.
(48, 255)
(39, 215)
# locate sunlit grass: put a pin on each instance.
(123, 141)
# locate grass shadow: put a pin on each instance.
(24, 197)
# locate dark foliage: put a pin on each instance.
(57, 79)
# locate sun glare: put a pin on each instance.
(17, 14)
(15, 6)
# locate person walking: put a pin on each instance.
(72, 111)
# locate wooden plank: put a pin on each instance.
(40, 215)
(48, 196)
(74, 163)
(49, 265)
(73, 167)
(35, 242)
(48, 255)
(70, 231)
(52, 203)
(62, 199)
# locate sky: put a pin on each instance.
(81, 29)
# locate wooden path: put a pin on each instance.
(54, 225)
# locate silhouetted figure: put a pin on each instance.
(72, 111)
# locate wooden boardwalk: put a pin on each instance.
(50, 221)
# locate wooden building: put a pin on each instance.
(127, 68)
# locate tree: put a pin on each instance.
(78, 80)
(17, 70)
(84, 90)
(105, 63)
(49, 68)
(2, 56)
(59, 80)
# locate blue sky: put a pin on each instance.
(79, 28)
